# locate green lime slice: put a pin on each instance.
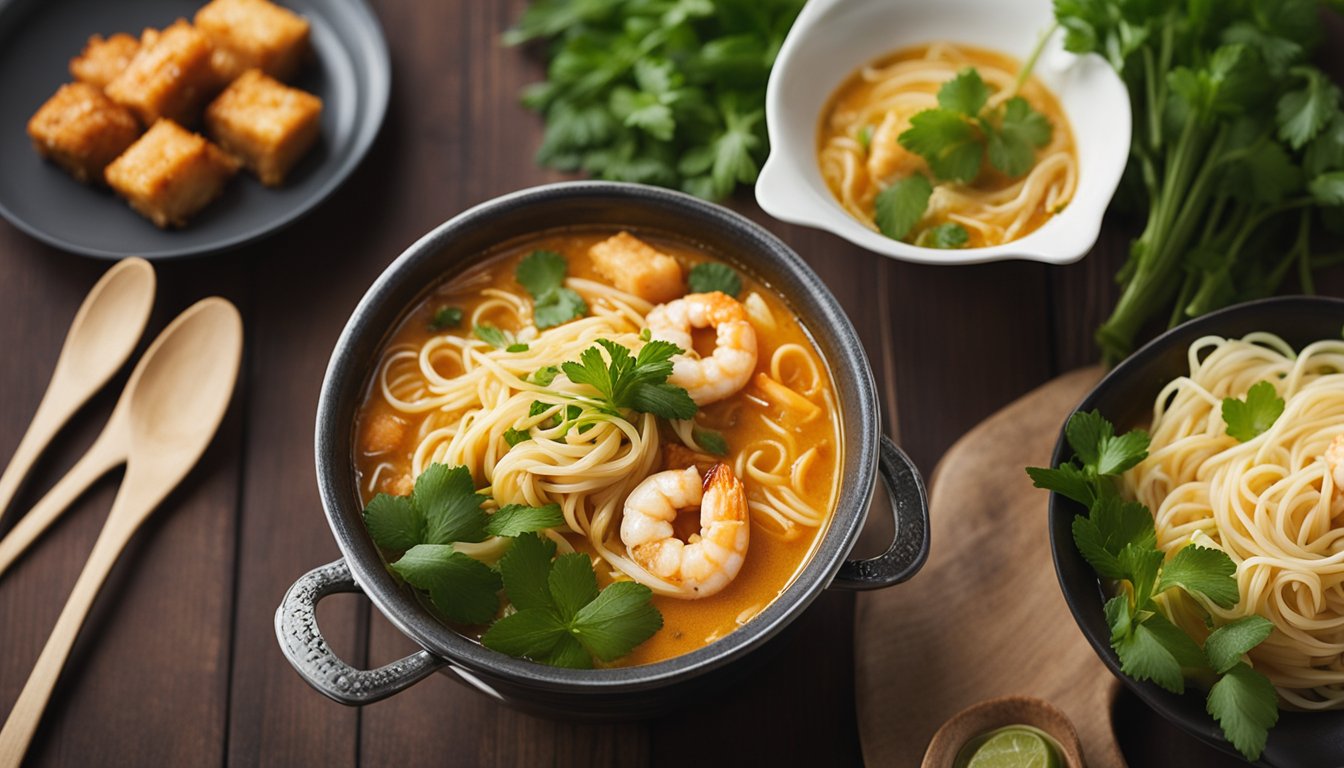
(1014, 748)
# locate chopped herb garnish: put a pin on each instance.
(516, 347)
(446, 317)
(513, 436)
(710, 442)
(949, 234)
(515, 519)
(866, 137)
(638, 383)
(901, 205)
(492, 336)
(562, 619)
(1119, 541)
(712, 276)
(543, 377)
(542, 273)
(1249, 418)
(646, 334)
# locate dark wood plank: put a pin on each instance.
(158, 635)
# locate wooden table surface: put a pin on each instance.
(178, 663)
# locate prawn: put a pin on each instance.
(711, 559)
(726, 370)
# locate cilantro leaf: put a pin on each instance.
(948, 143)
(446, 317)
(1245, 704)
(1020, 132)
(492, 336)
(1228, 643)
(1248, 418)
(447, 497)
(618, 620)
(543, 377)
(557, 307)
(524, 569)
(1158, 650)
(1140, 564)
(665, 400)
(516, 519)
(638, 383)
(513, 436)
(1202, 570)
(710, 442)
(516, 347)
(394, 522)
(947, 236)
(712, 276)
(569, 652)
(1067, 480)
(462, 588)
(901, 205)
(966, 93)
(1302, 113)
(531, 632)
(572, 584)
(541, 271)
(1328, 188)
(1111, 525)
(1093, 438)
(1119, 618)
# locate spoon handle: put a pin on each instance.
(54, 410)
(27, 712)
(107, 451)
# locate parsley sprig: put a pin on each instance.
(636, 382)
(1118, 539)
(1252, 416)
(542, 273)
(561, 617)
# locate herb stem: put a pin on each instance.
(1027, 66)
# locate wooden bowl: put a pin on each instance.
(997, 713)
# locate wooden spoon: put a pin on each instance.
(105, 330)
(177, 401)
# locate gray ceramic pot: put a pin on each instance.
(625, 692)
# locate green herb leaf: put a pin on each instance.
(866, 137)
(513, 436)
(1302, 113)
(517, 519)
(1228, 643)
(1067, 480)
(1203, 571)
(542, 273)
(543, 377)
(394, 522)
(1158, 650)
(712, 276)
(524, 569)
(492, 336)
(950, 144)
(1328, 188)
(947, 236)
(619, 619)
(1020, 132)
(447, 497)
(710, 442)
(638, 383)
(446, 317)
(569, 652)
(462, 588)
(1247, 419)
(1140, 564)
(531, 633)
(1093, 438)
(901, 205)
(516, 348)
(966, 93)
(1245, 704)
(557, 307)
(1111, 526)
(572, 583)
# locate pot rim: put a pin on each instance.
(845, 358)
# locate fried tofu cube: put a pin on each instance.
(383, 433)
(170, 77)
(266, 124)
(103, 59)
(171, 173)
(636, 267)
(82, 130)
(255, 34)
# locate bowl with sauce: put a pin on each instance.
(487, 358)
(916, 131)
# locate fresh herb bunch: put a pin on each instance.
(1237, 155)
(665, 92)
(558, 616)
(1119, 541)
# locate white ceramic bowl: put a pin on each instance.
(833, 38)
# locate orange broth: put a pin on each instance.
(773, 560)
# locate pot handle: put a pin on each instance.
(307, 651)
(910, 507)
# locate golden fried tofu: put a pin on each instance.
(103, 59)
(266, 124)
(255, 34)
(169, 77)
(636, 267)
(170, 173)
(82, 130)
(383, 433)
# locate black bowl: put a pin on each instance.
(1125, 396)
(629, 691)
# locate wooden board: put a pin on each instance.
(985, 617)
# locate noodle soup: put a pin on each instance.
(860, 153)
(444, 394)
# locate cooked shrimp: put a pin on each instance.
(711, 559)
(707, 379)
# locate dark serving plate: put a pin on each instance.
(351, 73)
(1125, 396)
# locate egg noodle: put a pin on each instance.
(471, 394)
(1271, 503)
(882, 98)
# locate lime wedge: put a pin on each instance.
(1015, 748)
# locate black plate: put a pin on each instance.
(38, 38)
(1125, 396)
